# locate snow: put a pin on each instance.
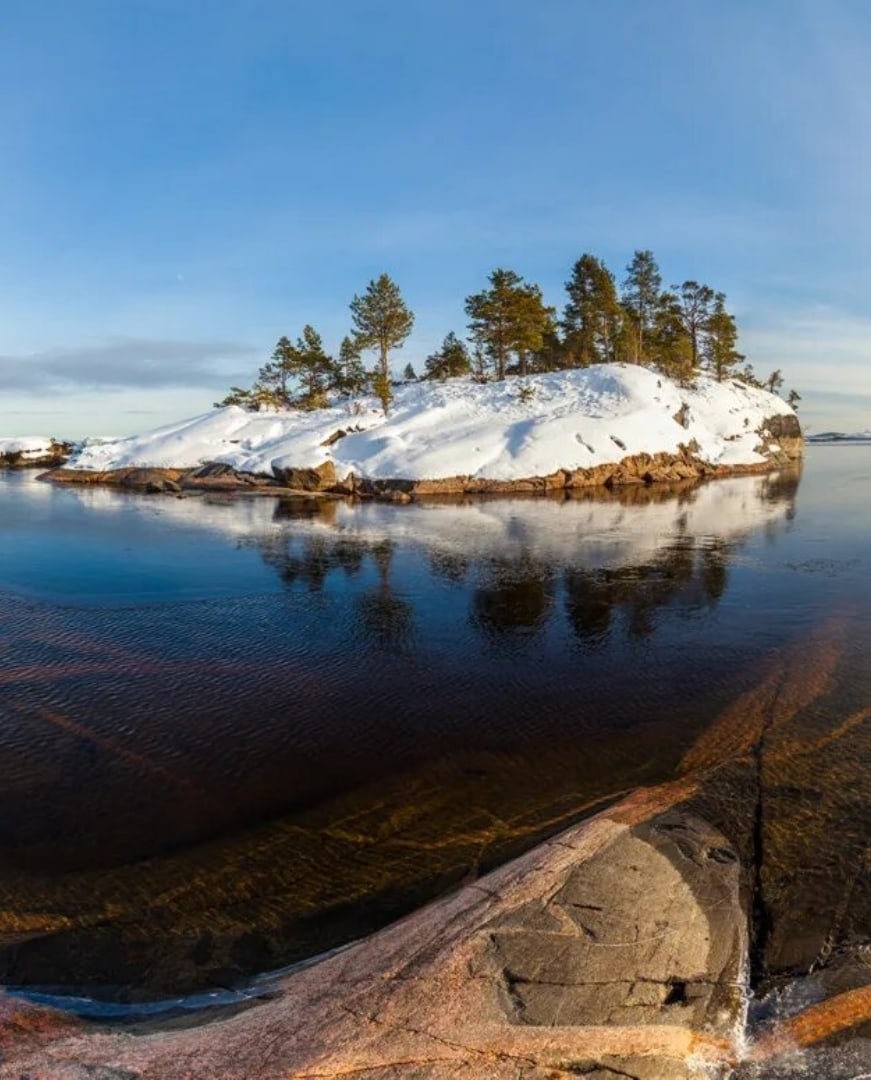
(565, 420)
(29, 446)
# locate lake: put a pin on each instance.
(237, 732)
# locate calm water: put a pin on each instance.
(236, 732)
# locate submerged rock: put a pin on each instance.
(617, 947)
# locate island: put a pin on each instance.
(609, 424)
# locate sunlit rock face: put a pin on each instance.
(650, 930)
(781, 439)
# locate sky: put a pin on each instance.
(184, 181)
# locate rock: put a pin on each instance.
(346, 486)
(682, 416)
(321, 478)
(781, 440)
(213, 470)
(633, 918)
(218, 476)
(649, 931)
(152, 481)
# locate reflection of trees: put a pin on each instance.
(686, 575)
(384, 616)
(449, 566)
(517, 596)
(309, 558)
(513, 593)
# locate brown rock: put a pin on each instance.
(152, 481)
(321, 478)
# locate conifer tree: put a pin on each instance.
(508, 319)
(272, 386)
(312, 367)
(720, 336)
(551, 356)
(382, 322)
(409, 375)
(668, 344)
(236, 396)
(591, 319)
(774, 381)
(350, 377)
(382, 389)
(696, 304)
(640, 298)
(479, 365)
(749, 376)
(449, 360)
(792, 399)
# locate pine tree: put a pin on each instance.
(313, 368)
(640, 299)
(667, 341)
(236, 396)
(696, 303)
(591, 319)
(409, 374)
(272, 386)
(479, 365)
(720, 335)
(449, 360)
(749, 376)
(509, 318)
(792, 399)
(551, 356)
(382, 322)
(382, 389)
(349, 376)
(774, 381)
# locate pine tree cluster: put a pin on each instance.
(681, 331)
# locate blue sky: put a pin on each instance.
(183, 181)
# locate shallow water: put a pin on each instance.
(236, 732)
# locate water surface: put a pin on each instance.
(235, 732)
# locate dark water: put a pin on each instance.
(234, 733)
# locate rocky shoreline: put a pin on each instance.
(52, 457)
(781, 445)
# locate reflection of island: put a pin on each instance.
(611, 560)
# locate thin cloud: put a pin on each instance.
(815, 348)
(124, 364)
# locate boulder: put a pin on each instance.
(617, 948)
(781, 440)
(151, 481)
(322, 477)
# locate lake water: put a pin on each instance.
(236, 732)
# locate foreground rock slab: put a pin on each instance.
(617, 947)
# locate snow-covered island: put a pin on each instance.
(607, 424)
(33, 450)
(840, 437)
